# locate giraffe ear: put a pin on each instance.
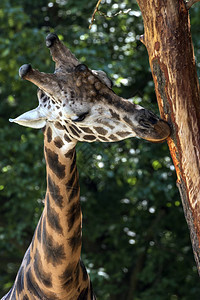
(33, 118)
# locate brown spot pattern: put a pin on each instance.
(49, 135)
(58, 125)
(58, 142)
(67, 138)
(73, 214)
(70, 153)
(113, 137)
(73, 131)
(54, 252)
(84, 294)
(101, 130)
(123, 134)
(73, 163)
(114, 114)
(75, 128)
(75, 240)
(54, 164)
(53, 218)
(66, 277)
(39, 271)
(84, 271)
(89, 137)
(103, 138)
(54, 192)
(35, 290)
(128, 121)
(108, 125)
(73, 186)
(86, 129)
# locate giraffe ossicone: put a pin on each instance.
(75, 104)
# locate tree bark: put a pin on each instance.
(168, 41)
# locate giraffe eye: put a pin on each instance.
(80, 118)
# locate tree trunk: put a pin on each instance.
(168, 41)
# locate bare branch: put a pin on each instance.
(190, 3)
(96, 10)
(114, 15)
(94, 13)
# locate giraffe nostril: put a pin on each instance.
(50, 39)
(145, 123)
(153, 120)
(23, 70)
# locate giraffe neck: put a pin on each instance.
(61, 223)
(51, 268)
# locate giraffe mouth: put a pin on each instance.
(158, 132)
(150, 127)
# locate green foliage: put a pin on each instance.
(135, 242)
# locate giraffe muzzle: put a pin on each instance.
(161, 131)
(151, 127)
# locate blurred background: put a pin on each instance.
(136, 242)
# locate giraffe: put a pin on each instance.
(75, 104)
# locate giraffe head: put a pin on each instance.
(81, 102)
